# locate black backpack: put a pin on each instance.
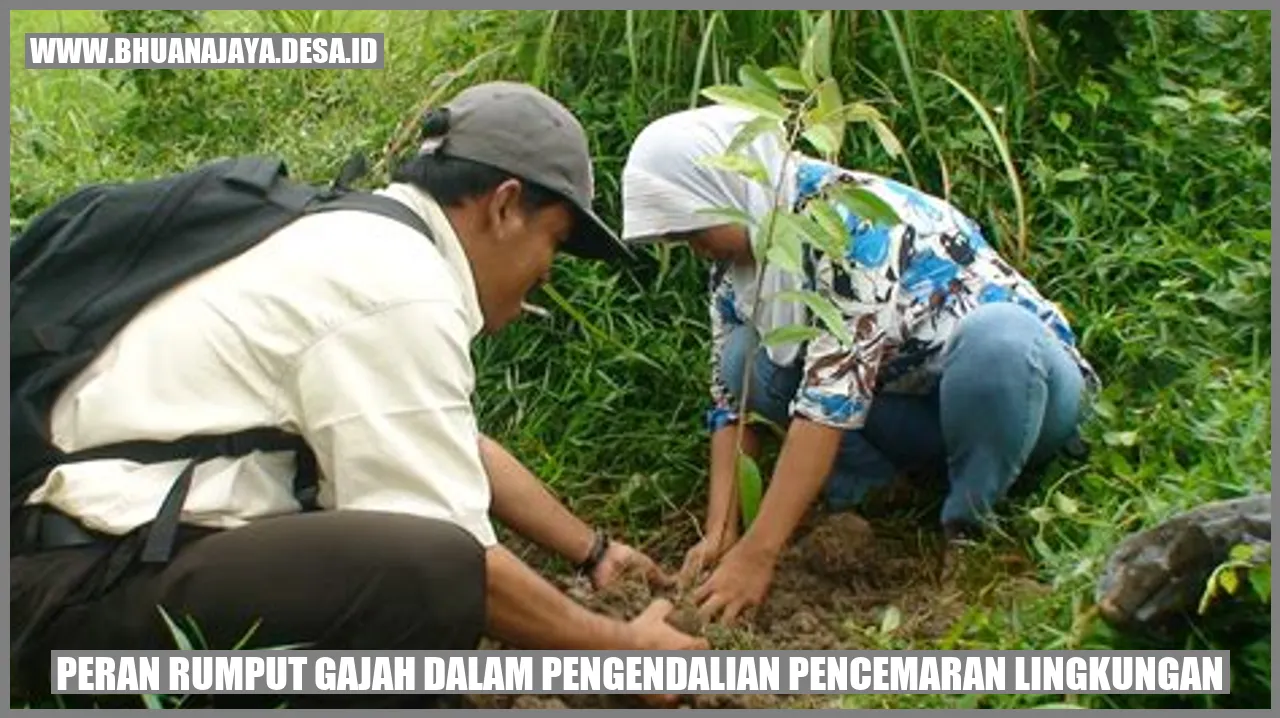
(85, 266)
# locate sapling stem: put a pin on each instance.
(761, 266)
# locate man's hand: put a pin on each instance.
(621, 560)
(651, 632)
(741, 582)
(705, 554)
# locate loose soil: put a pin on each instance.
(844, 583)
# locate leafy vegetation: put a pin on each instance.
(1122, 160)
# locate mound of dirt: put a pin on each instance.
(831, 590)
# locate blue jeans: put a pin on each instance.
(1009, 397)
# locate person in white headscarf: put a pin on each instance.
(954, 362)
(666, 192)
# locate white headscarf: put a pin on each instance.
(664, 186)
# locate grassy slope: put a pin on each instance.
(1148, 194)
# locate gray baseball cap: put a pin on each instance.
(518, 129)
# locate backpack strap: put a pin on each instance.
(341, 196)
(196, 449)
(376, 204)
(48, 338)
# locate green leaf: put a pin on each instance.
(1061, 120)
(1073, 174)
(1241, 552)
(152, 701)
(1120, 438)
(1260, 580)
(892, 620)
(1042, 546)
(833, 229)
(790, 334)
(867, 205)
(1177, 104)
(739, 164)
(821, 46)
(815, 63)
(824, 140)
(193, 629)
(1230, 581)
(750, 487)
(244, 640)
(1105, 409)
(731, 215)
(753, 78)
(1094, 93)
(889, 141)
(823, 309)
(1041, 514)
(1066, 504)
(860, 112)
(1209, 593)
(179, 638)
(747, 99)
(1118, 464)
(830, 101)
(812, 233)
(301, 645)
(787, 78)
(750, 131)
(825, 123)
(786, 251)
(804, 227)
(1262, 236)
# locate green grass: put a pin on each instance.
(1143, 184)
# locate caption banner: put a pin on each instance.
(204, 50)
(637, 672)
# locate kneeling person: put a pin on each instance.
(353, 331)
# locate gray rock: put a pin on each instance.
(1159, 575)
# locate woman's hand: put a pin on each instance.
(740, 583)
(705, 555)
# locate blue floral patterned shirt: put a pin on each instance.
(905, 289)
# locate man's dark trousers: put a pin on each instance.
(331, 580)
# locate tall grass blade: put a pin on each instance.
(545, 43)
(908, 71)
(703, 49)
(632, 55)
(1022, 21)
(1003, 147)
(180, 638)
(599, 333)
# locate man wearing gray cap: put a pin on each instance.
(352, 330)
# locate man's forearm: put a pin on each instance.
(527, 612)
(522, 502)
(722, 510)
(803, 465)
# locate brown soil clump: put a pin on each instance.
(839, 546)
